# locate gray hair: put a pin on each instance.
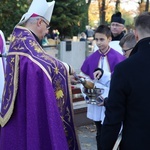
(33, 19)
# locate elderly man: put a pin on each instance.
(36, 111)
(117, 26)
(117, 31)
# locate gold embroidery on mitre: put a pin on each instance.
(59, 94)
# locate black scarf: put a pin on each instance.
(118, 37)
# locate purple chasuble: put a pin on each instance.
(92, 62)
(36, 111)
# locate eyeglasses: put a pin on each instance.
(116, 25)
(47, 25)
(124, 51)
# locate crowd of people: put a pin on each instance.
(128, 91)
(104, 58)
(36, 104)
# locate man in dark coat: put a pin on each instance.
(128, 102)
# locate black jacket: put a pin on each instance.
(118, 37)
(129, 102)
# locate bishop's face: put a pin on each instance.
(43, 28)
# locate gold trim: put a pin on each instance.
(7, 116)
(71, 104)
(32, 59)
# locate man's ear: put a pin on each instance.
(39, 22)
(136, 35)
(110, 38)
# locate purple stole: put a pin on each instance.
(92, 62)
(24, 49)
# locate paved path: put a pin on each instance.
(87, 137)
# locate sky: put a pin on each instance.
(129, 5)
(126, 4)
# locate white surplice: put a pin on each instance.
(95, 112)
(2, 65)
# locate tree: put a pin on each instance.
(10, 13)
(109, 7)
(117, 5)
(67, 16)
(147, 5)
(103, 12)
(106, 10)
(88, 2)
(141, 5)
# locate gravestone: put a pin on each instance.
(73, 53)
